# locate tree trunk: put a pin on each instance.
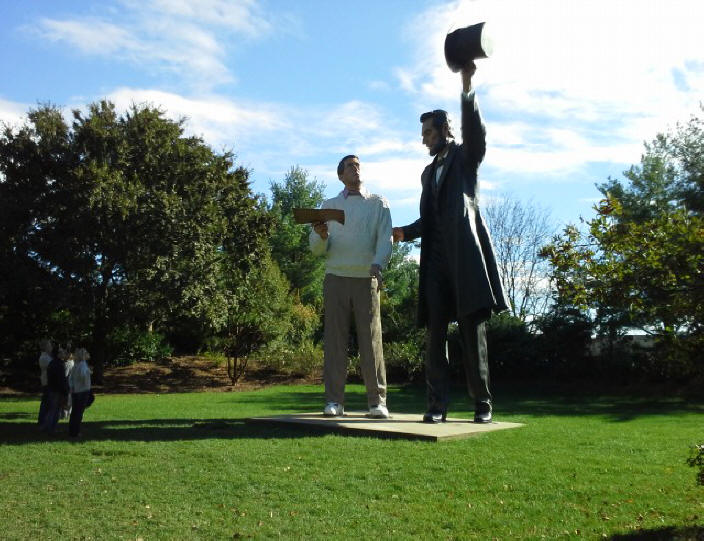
(99, 350)
(100, 331)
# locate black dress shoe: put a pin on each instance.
(434, 416)
(482, 412)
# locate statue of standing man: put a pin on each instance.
(356, 252)
(459, 279)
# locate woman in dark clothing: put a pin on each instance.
(58, 388)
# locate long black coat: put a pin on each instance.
(467, 244)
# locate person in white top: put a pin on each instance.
(44, 360)
(356, 253)
(67, 357)
(80, 388)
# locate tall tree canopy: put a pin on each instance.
(289, 241)
(641, 264)
(120, 219)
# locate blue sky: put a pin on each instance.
(570, 94)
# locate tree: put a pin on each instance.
(687, 151)
(399, 298)
(32, 301)
(641, 262)
(289, 241)
(134, 223)
(260, 312)
(403, 341)
(519, 231)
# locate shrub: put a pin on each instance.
(563, 344)
(404, 360)
(304, 321)
(511, 346)
(696, 460)
(305, 359)
(130, 345)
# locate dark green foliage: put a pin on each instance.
(289, 241)
(133, 345)
(262, 312)
(289, 348)
(696, 460)
(399, 297)
(404, 343)
(641, 262)
(563, 345)
(120, 220)
(404, 359)
(513, 350)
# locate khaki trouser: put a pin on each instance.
(343, 296)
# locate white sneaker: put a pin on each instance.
(333, 409)
(379, 412)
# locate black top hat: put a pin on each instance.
(465, 44)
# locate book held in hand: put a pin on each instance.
(310, 216)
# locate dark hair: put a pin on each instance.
(439, 118)
(341, 165)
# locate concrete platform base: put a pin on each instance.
(400, 425)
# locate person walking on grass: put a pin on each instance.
(355, 253)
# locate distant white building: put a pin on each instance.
(631, 342)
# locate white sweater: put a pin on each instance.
(80, 377)
(365, 239)
(44, 360)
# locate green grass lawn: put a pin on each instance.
(186, 466)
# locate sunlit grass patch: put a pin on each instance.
(188, 466)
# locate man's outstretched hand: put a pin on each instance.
(397, 233)
(467, 74)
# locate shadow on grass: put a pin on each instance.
(17, 415)
(669, 533)
(153, 430)
(547, 400)
(510, 401)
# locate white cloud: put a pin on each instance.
(277, 136)
(214, 114)
(274, 132)
(13, 113)
(386, 146)
(598, 50)
(535, 148)
(244, 17)
(411, 202)
(187, 38)
(607, 75)
(90, 36)
(394, 174)
(381, 86)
